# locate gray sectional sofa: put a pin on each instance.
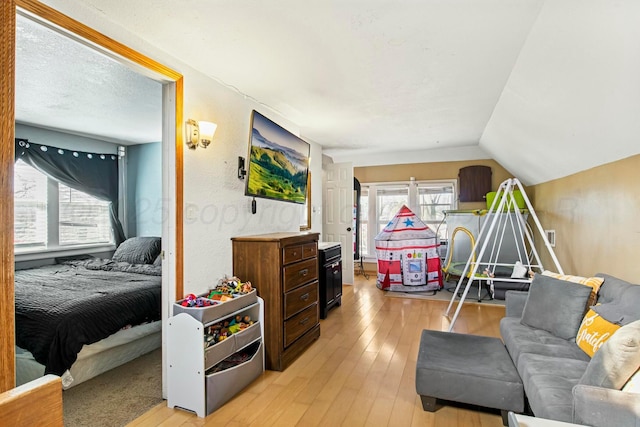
(561, 382)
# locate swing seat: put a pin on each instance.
(500, 287)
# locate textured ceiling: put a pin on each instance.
(529, 83)
(64, 85)
(357, 77)
(354, 76)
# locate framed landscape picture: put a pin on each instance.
(278, 162)
(305, 210)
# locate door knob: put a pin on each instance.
(348, 228)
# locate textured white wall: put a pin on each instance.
(214, 196)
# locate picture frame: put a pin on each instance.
(278, 162)
(305, 210)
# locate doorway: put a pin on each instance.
(172, 176)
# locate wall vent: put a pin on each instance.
(551, 237)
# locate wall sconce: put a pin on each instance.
(242, 172)
(200, 133)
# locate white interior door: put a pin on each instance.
(338, 220)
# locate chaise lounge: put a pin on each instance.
(572, 367)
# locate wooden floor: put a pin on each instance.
(361, 372)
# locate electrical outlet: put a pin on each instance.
(551, 237)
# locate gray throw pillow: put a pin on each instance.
(619, 301)
(556, 306)
(612, 288)
(138, 250)
(617, 360)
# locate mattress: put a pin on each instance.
(97, 358)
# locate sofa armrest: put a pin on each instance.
(603, 407)
(514, 302)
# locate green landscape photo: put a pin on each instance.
(278, 162)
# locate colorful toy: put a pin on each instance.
(192, 300)
(222, 330)
(229, 287)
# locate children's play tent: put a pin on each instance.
(407, 251)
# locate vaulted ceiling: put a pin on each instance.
(546, 88)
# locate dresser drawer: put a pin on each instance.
(291, 254)
(300, 273)
(295, 327)
(300, 298)
(309, 250)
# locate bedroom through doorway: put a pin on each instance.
(167, 156)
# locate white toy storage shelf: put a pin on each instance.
(195, 380)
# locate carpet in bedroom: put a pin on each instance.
(116, 397)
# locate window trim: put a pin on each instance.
(60, 251)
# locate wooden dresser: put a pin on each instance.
(283, 267)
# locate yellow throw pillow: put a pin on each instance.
(593, 332)
(593, 282)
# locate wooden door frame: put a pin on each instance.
(7, 132)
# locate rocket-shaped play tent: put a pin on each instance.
(407, 251)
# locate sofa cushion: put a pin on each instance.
(619, 300)
(612, 289)
(548, 382)
(520, 339)
(617, 360)
(556, 306)
(594, 331)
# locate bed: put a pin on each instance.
(81, 317)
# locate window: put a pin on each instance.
(83, 219)
(379, 202)
(388, 201)
(49, 215)
(30, 207)
(434, 199)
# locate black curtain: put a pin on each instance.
(357, 189)
(92, 173)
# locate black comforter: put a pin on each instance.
(62, 307)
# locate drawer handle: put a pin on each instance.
(305, 320)
(336, 272)
(305, 297)
(295, 253)
(335, 264)
(304, 272)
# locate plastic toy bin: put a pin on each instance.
(218, 311)
(517, 195)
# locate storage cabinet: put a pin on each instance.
(330, 259)
(201, 375)
(283, 267)
(475, 183)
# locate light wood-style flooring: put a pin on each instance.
(361, 372)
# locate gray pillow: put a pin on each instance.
(619, 301)
(556, 306)
(612, 288)
(138, 250)
(158, 261)
(617, 360)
